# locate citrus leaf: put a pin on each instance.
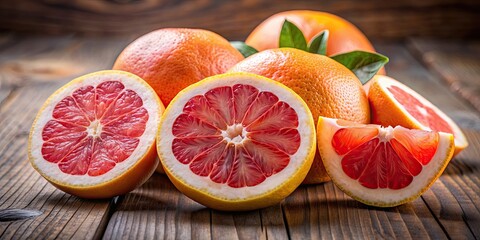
(292, 36)
(243, 48)
(15, 214)
(318, 44)
(364, 64)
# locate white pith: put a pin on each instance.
(385, 134)
(223, 191)
(352, 187)
(130, 81)
(95, 129)
(235, 134)
(386, 82)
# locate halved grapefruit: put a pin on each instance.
(236, 141)
(95, 136)
(392, 103)
(379, 166)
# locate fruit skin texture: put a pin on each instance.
(379, 197)
(328, 88)
(267, 199)
(171, 59)
(132, 178)
(387, 112)
(344, 36)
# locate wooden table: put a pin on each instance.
(31, 68)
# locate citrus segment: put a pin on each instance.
(393, 103)
(93, 130)
(382, 166)
(424, 114)
(239, 141)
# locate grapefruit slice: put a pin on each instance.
(379, 166)
(236, 141)
(95, 136)
(392, 103)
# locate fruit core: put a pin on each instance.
(384, 157)
(236, 135)
(94, 129)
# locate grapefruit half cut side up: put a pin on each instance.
(379, 166)
(236, 141)
(95, 136)
(393, 103)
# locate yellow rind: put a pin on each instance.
(133, 177)
(446, 160)
(260, 201)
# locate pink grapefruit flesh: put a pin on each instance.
(94, 129)
(261, 133)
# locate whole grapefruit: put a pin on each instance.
(343, 36)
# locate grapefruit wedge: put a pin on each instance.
(392, 103)
(236, 141)
(379, 166)
(95, 136)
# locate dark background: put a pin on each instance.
(378, 19)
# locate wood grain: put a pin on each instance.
(63, 216)
(455, 62)
(235, 19)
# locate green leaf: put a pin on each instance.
(318, 44)
(243, 48)
(292, 36)
(364, 64)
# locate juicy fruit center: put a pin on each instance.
(424, 114)
(235, 133)
(238, 135)
(384, 157)
(94, 129)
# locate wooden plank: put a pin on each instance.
(453, 200)
(38, 66)
(455, 62)
(324, 212)
(235, 19)
(158, 210)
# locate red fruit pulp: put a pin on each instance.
(424, 114)
(236, 135)
(94, 128)
(385, 158)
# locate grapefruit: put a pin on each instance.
(379, 166)
(393, 104)
(95, 136)
(328, 88)
(171, 59)
(236, 141)
(343, 35)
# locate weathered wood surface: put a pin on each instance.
(32, 68)
(234, 19)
